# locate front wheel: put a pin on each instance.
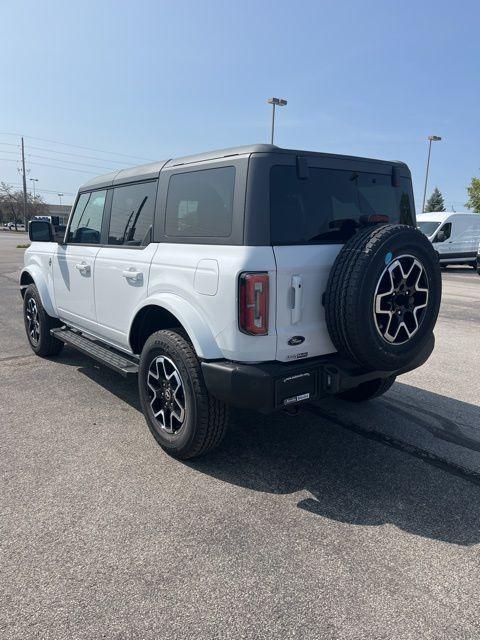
(38, 324)
(183, 417)
(368, 390)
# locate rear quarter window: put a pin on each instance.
(200, 203)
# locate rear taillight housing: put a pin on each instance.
(253, 303)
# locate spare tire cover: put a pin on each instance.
(383, 296)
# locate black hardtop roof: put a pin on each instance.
(152, 170)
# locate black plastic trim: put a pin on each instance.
(445, 257)
(270, 386)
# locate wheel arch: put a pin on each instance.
(33, 275)
(169, 312)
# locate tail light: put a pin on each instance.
(253, 303)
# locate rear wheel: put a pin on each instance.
(368, 390)
(183, 417)
(38, 324)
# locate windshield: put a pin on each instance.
(330, 205)
(428, 228)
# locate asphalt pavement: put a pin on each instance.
(345, 522)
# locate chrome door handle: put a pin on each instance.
(133, 274)
(84, 268)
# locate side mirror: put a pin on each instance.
(45, 231)
(441, 237)
(40, 231)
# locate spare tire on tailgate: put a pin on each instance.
(383, 296)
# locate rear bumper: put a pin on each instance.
(270, 386)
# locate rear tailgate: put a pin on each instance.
(316, 204)
(302, 275)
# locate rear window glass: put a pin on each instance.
(200, 203)
(330, 205)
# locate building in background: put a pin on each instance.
(60, 210)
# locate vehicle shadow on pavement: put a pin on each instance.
(347, 477)
(123, 388)
(350, 478)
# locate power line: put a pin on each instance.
(43, 164)
(54, 191)
(63, 153)
(77, 146)
(83, 164)
(77, 155)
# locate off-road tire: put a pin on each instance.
(350, 294)
(206, 418)
(46, 345)
(368, 390)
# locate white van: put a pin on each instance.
(456, 236)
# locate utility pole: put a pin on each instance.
(24, 186)
(60, 197)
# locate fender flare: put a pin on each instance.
(40, 282)
(194, 324)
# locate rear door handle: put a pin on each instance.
(297, 299)
(84, 268)
(133, 274)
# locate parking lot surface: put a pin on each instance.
(345, 522)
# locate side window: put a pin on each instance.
(200, 203)
(132, 214)
(86, 223)
(444, 233)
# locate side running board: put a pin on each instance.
(118, 362)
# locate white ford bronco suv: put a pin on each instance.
(256, 277)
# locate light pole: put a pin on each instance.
(33, 180)
(275, 102)
(430, 140)
(60, 196)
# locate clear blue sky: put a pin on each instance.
(156, 79)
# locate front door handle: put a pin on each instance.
(84, 268)
(133, 275)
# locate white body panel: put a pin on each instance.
(38, 262)
(188, 272)
(464, 238)
(302, 275)
(196, 283)
(120, 286)
(73, 280)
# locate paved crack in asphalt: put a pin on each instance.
(417, 452)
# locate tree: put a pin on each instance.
(474, 195)
(11, 205)
(435, 202)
